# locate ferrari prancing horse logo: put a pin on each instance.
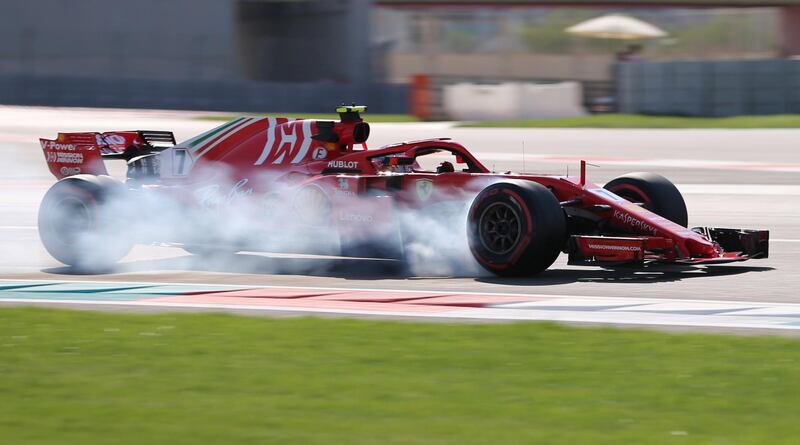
(424, 189)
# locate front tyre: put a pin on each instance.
(653, 192)
(75, 226)
(516, 228)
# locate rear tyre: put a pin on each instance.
(75, 226)
(516, 228)
(655, 193)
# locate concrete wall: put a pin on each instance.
(248, 55)
(305, 41)
(152, 39)
(187, 39)
(513, 100)
(702, 88)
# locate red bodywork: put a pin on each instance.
(328, 162)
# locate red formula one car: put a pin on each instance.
(279, 184)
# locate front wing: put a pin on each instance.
(733, 245)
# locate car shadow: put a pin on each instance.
(379, 269)
(244, 263)
(658, 274)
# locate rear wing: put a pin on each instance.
(145, 141)
(154, 138)
(76, 153)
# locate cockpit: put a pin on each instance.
(435, 160)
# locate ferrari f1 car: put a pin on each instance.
(296, 183)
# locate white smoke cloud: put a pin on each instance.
(222, 213)
(437, 239)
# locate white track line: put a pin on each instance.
(740, 189)
(405, 291)
(500, 314)
(558, 308)
(637, 162)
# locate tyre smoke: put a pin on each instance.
(222, 213)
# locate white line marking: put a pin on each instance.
(209, 306)
(740, 189)
(631, 300)
(656, 162)
(478, 313)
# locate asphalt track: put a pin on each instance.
(730, 178)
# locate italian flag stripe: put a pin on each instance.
(221, 136)
(207, 135)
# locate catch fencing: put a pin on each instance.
(709, 88)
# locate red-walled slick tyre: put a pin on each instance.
(516, 228)
(654, 192)
(75, 226)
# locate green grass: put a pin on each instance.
(377, 118)
(642, 121)
(96, 378)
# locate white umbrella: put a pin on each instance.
(616, 27)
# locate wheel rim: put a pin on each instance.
(499, 228)
(70, 220)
